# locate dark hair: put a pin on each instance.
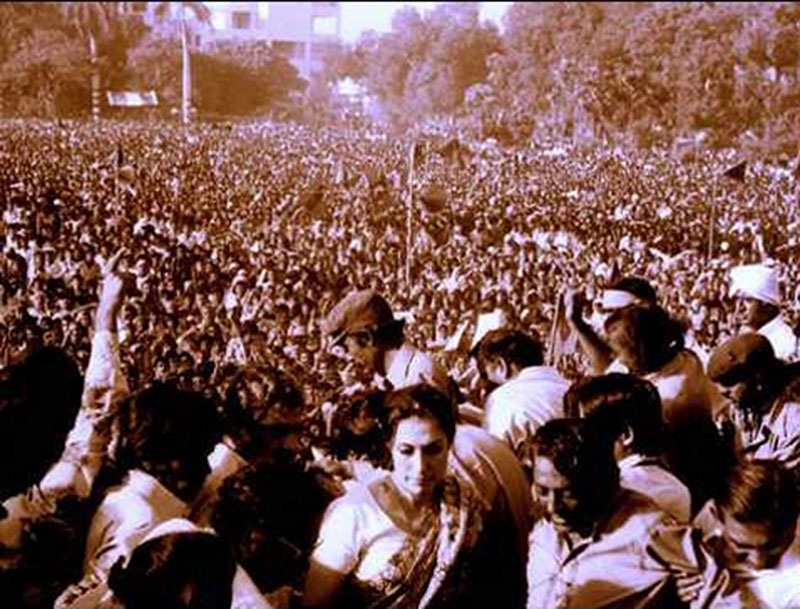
(515, 347)
(422, 401)
(582, 455)
(614, 402)
(761, 492)
(192, 570)
(163, 424)
(39, 400)
(348, 443)
(280, 403)
(270, 515)
(647, 332)
(636, 286)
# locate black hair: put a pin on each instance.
(246, 419)
(647, 332)
(348, 442)
(615, 402)
(515, 347)
(270, 514)
(582, 455)
(421, 401)
(39, 400)
(761, 492)
(193, 570)
(161, 425)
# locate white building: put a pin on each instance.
(302, 31)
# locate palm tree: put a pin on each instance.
(203, 15)
(92, 20)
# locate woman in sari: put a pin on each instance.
(403, 540)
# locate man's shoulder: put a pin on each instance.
(531, 385)
(632, 508)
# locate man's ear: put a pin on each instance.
(627, 437)
(712, 508)
(502, 367)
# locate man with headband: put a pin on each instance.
(625, 292)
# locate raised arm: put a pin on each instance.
(87, 442)
(104, 387)
(594, 346)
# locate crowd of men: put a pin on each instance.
(220, 334)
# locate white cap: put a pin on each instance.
(756, 281)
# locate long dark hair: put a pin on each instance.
(649, 333)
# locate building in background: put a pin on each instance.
(302, 31)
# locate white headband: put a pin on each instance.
(617, 299)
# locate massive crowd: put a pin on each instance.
(199, 286)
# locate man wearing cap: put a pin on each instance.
(764, 410)
(364, 324)
(757, 286)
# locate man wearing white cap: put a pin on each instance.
(757, 286)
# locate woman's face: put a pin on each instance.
(419, 457)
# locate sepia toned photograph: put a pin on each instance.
(399, 305)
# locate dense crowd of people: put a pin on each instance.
(227, 381)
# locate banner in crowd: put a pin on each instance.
(132, 99)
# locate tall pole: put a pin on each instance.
(712, 219)
(409, 212)
(186, 72)
(95, 78)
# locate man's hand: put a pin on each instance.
(111, 294)
(574, 305)
(689, 586)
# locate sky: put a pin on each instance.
(358, 17)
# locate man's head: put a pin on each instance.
(364, 324)
(193, 570)
(575, 476)
(265, 414)
(625, 408)
(643, 338)
(758, 510)
(168, 433)
(758, 292)
(747, 368)
(503, 353)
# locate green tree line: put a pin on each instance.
(642, 73)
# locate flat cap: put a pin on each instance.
(734, 358)
(359, 310)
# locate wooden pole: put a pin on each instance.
(409, 212)
(712, 219)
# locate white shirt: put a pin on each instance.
(516, 409)
(357, 536)
(245, 595)
(223, 463)
(408, 366)
(646, 476)
(781, 337)
(127, 514)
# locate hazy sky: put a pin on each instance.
(359, 17)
